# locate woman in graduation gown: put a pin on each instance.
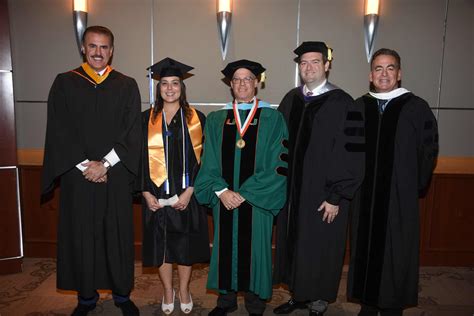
(175, 225)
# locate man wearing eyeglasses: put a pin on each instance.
(325, 168)
(243, 178)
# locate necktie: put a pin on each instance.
(309, 93)
(382, 104)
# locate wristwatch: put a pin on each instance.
(106, 163)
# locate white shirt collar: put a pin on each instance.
(100, 73)
(250, 102)
(389, 95)
(315, 91)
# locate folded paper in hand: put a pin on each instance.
(168, 202)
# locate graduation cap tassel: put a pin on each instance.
(150, 82)
(166, 133)
(184, 183)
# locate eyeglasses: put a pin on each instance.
(245, 80)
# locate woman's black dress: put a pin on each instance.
(170, 235)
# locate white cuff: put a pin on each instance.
(80, 166)
(218, 193)
(112, 157)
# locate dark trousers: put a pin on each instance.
(367, 310)
(93, 300)
(253, 303)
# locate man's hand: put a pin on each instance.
(95, 171)
(103, 179)
(151, 201)
(183, 199)
(330, 211)
(231, 199)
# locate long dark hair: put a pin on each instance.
(183, 102)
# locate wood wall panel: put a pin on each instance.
(137, 228)
(11, 266)
(7, 121)
(7, 107)
(451, 215)
(5, 49)
(446, 220)
(444, 165)
(9, 223)
(39, 219)
(10, 229)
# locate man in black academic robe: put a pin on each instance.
(92, 149)
(326, 157)
(401, 148)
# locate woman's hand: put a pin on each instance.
(184, 199)
(151, 201)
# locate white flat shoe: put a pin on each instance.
(188, 307)
(168, 308)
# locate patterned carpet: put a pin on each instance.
(443, 291)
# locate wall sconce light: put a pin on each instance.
(80, 20)
(224, 15)
(371, 20)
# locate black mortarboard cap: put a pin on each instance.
(168, 67)
(318, 47)
(254, 67)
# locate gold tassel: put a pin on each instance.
(329, 53)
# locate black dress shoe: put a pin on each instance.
(82, 309)
(219, 311)
(128, 308)
(289, 307)
(367, 310)
(318, 308)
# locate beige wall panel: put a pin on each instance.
(415, 29)
(339, 23)
(410, 27)
(205, 108)
(458, 77)
(186, 31)
(129, 20)
(43, 45)
(30, 124)
(262, 30)
(456, 130)
(265, 31)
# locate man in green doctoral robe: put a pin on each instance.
(93, 142)
(243, 178)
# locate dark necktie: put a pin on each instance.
(309, 93)
(382, 104)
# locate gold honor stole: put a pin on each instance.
(156, 148)
(96, 79)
